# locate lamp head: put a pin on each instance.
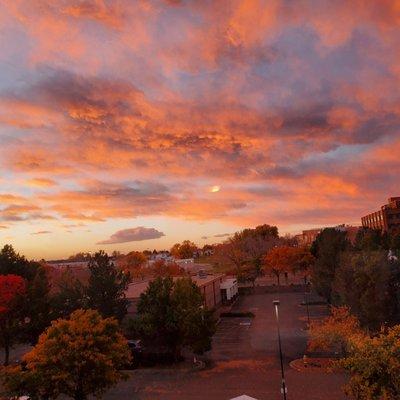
(276, 303)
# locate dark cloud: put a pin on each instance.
(40, 232)
(133, 235)
(221, 235)
(218, 235)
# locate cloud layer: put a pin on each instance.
(116, 110)
(133, 235)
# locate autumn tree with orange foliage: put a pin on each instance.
(78, 357)
(12, 288)
(184, 249)
(133, 262)
(341, 330)
(279, 260)
(162, 269)
(374, 367)
(244, 252)
(302, 261)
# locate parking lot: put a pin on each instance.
(244, 360)
(232, 339)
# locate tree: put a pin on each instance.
(184, 249)
(170, 315)
(107, 287)
(37, 305)
(302, 261)
(132, 261)
(243, 254)
(394, 242)
(338, 331)
(196, 324)
(374, 367)
(80, 257)
(255, 243)
(160, 268)
(366, 282)
(78, 357)
(279, 260)
(12, 288)
(69, 296)
(15, 264)
(327, 249)
(371, 239)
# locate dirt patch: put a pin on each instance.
(232, 365)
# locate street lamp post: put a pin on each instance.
(276, 303)
(306, 301)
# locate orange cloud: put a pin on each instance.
(115, 110)
(41, 182)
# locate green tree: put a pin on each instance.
(327, 249)
(170, 316)
(107, 287)
(69, 295)
(371, 239)
(196, 324)
(394, 242)
(37, 305)
(365, 282)
(13, 263)
(78, 357)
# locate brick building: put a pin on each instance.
(210, 287)
(307, 237)
(387, 219)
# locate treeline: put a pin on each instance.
(364, 275)
(79, 327)
(30, 299)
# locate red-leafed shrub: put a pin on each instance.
(11, 286)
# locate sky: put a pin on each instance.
(127, 125)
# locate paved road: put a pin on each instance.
(245, 359)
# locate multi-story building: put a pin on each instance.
(387, 219)
(307, 237)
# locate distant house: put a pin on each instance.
(185, 263)
(161, 255)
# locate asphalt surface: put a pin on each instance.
(245, 360)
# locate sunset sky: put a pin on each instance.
(127, 125)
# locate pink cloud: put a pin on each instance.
(129, 109)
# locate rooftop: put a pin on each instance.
(137, 288)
